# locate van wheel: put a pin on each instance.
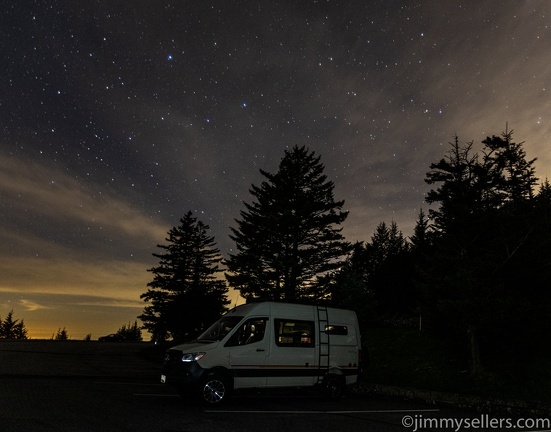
(214, 390)
(334, 387)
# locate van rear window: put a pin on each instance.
(294, 333)
(336, 330)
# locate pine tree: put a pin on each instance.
(390, 271)
(385, 243)
(61, 335)
(288, 242)
(512, 176)
(526, 274)
(351, 287)
(185, 294)
(457, 193)
(12, 329)
(130, 332)
(421, 238)
(478, 236)
(20, 330)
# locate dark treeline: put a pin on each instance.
(475, 269)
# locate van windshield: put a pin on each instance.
(219, 329)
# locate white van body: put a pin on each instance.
(267, 345)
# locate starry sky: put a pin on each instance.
(119, 117)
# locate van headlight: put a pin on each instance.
(189, 357)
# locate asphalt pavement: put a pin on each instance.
(90, 386)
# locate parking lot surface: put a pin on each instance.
(91, 386)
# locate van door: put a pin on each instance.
(249, 348)
(292, 360)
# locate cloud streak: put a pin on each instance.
(112, 279)
(31, 306)
(52, 214)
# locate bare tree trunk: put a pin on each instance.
(475, 365)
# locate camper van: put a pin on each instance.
(268, 345)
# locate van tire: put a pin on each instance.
(214, 390)
(334, 387)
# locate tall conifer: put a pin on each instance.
(288, 241)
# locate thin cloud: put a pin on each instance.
(117, 280)
(36, 190)
(31, 306)
(112, 303)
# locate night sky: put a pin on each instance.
(119, 117)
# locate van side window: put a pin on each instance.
(294, 333)
(249, 332)
(336, 330)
